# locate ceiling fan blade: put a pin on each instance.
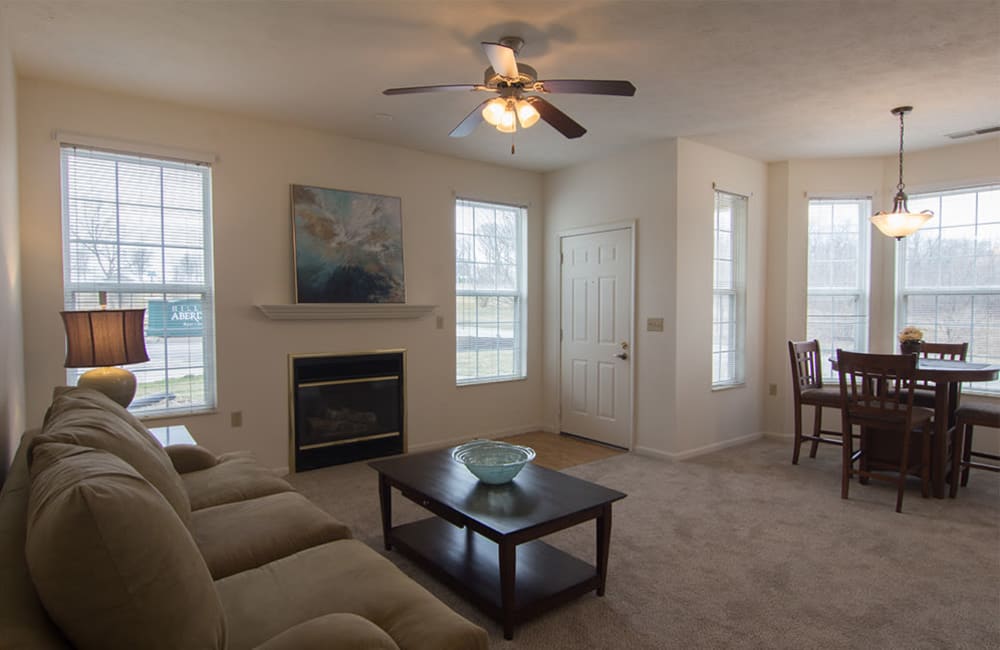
(502, 59)
(433, 89)
(471, 121)
(587, 86)
(560, 121)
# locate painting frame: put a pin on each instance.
(347, 246)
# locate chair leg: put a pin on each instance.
(817, 427)
(925, 466)
(956, 459)
(903, 466)
(966, 454)
(798, 434)
(847, 451)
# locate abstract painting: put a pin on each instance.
(348, 246)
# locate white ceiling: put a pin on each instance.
(768, 79)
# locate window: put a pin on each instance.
(837, 312)
(489, 292)
(139, 230)
(949, 274)
(729, 297)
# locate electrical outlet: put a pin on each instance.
(236, 419)
(654, 324)
(772, 389)
(440, 322)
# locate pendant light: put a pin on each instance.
(900, 222)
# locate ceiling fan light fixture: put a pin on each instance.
(526, 114)
(494, 110)
(508, 121)
(900, 222)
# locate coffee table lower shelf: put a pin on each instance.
(469, 563)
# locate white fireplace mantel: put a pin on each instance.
(344, 311)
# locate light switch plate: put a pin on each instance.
(654, 324)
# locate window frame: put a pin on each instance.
(736, 295)
(519, 294)
(205, 289)
(981, 388)
(863, 288)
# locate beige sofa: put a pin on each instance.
(108, 540)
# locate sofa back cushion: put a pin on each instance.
(113, 564)
(86, 417)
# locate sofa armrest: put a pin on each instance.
(190, 458)
(339, 631)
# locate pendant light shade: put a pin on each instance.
(900, 222)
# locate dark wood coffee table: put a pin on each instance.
(497, 562)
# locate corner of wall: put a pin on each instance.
(12, 401)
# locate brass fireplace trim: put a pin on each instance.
(334, 443)
(365, 380)
(291, 395)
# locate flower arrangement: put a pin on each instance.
(911, 333)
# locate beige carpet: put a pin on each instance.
(741, 549)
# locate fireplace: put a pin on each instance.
(345, 408)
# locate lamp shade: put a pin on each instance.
(104, 337)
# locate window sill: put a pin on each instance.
(722, 387)
(481, 382)
(153, 416)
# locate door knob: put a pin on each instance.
(622, 355)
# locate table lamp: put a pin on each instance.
(103, 339)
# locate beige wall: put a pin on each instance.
(257, 161)
(634, 185)
(12, 419)
(708, 419)
(792, 182)
(666, 188)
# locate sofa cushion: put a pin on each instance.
(234, 537)
(190, 458)
(344, 576)
(86, 417)
(237, 477)
(332, 632)
(23, 621)
(112, 562)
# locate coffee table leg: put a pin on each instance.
(508, 571)
(385, 501)
(603, 542)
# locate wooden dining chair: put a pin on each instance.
(967, 417)
(923, 392)
(808, 390)
(877, 396)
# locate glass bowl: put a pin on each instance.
(491, 461)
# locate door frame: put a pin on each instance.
(629, 225)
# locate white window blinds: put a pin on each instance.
(729, 289)
(139, 230)
(489, 292)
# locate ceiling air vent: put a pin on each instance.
(968, 134)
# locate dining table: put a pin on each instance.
(947, 377)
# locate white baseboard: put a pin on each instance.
(697, 451)
(778, 436)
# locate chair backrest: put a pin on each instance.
(877, 389)
(806, 366)
(948, 351)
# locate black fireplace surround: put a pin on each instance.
(346, 408)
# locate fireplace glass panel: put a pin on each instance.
(338, 411)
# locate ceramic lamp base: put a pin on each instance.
(116, 383)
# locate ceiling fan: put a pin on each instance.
(511, 81)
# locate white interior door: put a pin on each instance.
(596, 367)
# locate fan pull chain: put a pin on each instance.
(512, 143)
